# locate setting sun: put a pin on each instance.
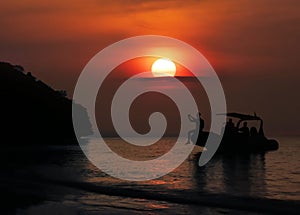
(163, 67)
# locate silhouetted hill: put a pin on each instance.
(33, 112)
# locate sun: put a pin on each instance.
(163, 67)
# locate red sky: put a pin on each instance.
(253, 45)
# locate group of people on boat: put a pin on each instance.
(230, 129)
(236, 138)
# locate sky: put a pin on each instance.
(252, 45)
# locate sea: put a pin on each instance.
(60, 179)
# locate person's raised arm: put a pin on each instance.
(191, 118)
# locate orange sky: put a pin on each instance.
(151, 102)
(253, 45)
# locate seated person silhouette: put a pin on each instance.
(254, 135)
(253, 132)
(229, 127)
(199, 126)
(244, 130)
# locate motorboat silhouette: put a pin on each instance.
(237, 139)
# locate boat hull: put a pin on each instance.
(240, 144)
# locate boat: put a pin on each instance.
(235, 140)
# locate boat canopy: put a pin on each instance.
(241, 116)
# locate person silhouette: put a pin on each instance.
(245, 130)
(229, 127)
(253, 132)
(199, 126)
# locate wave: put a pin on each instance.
(251, 204)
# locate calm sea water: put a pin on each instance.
(67, 182)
